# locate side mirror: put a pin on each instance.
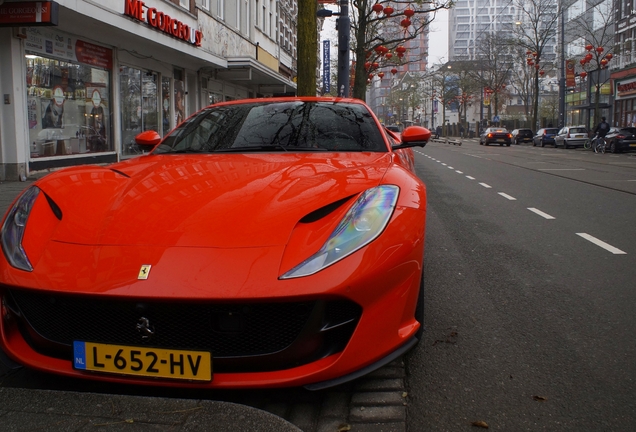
(148, 138)
(414, 136)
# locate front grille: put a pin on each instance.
(287, 333)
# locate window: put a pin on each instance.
(220, 9)
(184, 4)
(602, 14)
(68, 107)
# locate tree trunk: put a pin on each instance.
(307, 48)
(361, 74)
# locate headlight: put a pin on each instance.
(13, 230)
(361, 225)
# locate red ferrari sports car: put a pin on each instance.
(262, 243)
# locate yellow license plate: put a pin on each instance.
(142, 361)
(500, 140)
(632, 145)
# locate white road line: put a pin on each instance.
(540, 213)
(450, 167)
(602, 244)
(487, 186)
(561, 169)
(444, 164)
(460, 172)
(507, 196)
(470, 178)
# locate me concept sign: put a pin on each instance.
(29, 14)
(162, 22)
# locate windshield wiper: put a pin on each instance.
(268, 148)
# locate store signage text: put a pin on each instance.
(162, 21)
(626, 89)
(29, 13)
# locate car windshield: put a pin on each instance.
(498, 130)
(277, 126)
(552, 131)
(577, 130)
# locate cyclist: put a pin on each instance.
(600, 131)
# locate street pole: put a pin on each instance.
(562, 78)
(343, 49)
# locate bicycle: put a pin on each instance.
(596, 144)
(599, 146)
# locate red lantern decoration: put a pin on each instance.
(528, 52)
(381, 75)
(377, 8)
(369, 54)
(378, 49)
(582, 61)
(400, 49)
(541, 72)
(388, 10)
(604, 62)
(583, 74)
(600, 49)
(589, 47)
(400, 55)
(503, 86)
(409, 12)
(537, 66)
(405, 23)
(367, 65)
(375, 65)
(389, 55)
(588, 57)
(371, 76)
(609, 56)
(394, 71)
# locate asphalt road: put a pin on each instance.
(530, 291)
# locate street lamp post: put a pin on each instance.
(562, 78)
(343, 49)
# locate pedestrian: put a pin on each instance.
(602, 129)
(461, 131)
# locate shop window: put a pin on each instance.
(68, 107)
(166, 104)
(139, 105)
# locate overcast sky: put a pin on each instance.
(438, 39)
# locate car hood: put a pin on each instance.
(230, 200)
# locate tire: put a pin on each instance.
(543, 143)
(534, 144)
(419, 310)
(613, 147)
(508, 145)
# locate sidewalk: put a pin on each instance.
(27, 409)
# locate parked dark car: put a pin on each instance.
(496, 135)
(571, 136)
(621, 139)
(522, 135)
(545, 136)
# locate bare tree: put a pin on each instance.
(595, 30)
(375, 28)
(536, 32)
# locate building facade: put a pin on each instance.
(81, 79)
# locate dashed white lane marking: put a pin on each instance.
(487, 186)
(507, 196)
(460, 172)
(540, 213)
(450, 167)
(444, 164)
(470, 178)
(602, 244)
(561, 169)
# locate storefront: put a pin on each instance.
(624, 98)
(81, 82)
